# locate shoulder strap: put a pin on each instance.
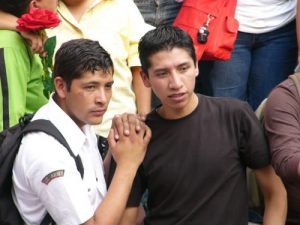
(47, 127)
(296, 78)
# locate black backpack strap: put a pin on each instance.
(48, 220)
(47, 127)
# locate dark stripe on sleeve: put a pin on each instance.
(4, 85)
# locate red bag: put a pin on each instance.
(215, 16)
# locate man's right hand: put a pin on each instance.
(133, 137)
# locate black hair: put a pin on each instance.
(78, 56)
(164, 37)
(15, 7)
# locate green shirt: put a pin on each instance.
(20, 76)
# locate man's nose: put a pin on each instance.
(101, 96)
(175, 81)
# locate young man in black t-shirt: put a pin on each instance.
(195, 165)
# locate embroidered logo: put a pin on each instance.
(55, 174)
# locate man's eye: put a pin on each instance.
(161, 74)
(90, 87)
(183, 68)
(108, 86)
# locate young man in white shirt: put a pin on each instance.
(45, 177)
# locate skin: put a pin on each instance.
(88, 97)
(45, 4)
(172, 78)
(86, 102)
(142, 93)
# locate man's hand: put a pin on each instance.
(36, 42)
(133, 136)
(139, 118)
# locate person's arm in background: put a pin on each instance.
(36, 42)
(136, 29)
(7, 21)
(275, 197)
(258, 158)
(142, 93)
(298, 28)
(283, 131)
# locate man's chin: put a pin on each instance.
(95, 121)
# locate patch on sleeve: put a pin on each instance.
(55, 174)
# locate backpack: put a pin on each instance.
(10, 140)
(255, 196)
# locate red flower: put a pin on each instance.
(38, 19)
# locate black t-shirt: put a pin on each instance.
(194, 168)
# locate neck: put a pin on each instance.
(78, 7)
(173, 114)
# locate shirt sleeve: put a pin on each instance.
(253, 145)
(53, 176)
(22, 71)
(282, 123)
(16, 69)
(136, 29)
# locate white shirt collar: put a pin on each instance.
(68, 128)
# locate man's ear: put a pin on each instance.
(145, 79)
(197, 69)
(60, 87)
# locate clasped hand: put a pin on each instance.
(128, 139)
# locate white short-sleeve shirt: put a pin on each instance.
(261, 16)
(45, 176)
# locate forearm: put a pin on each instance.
(142, 93)
(275, 197)
(275, 210)
(7, 21)
(112, 207)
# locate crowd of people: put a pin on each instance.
(187, 145)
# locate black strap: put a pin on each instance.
(102, 146)
(48, 220)
(47, 127)
(4, 86)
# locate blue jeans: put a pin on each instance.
(158, 12)
(258, 63)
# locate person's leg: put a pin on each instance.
(274, 58)
(228, 78)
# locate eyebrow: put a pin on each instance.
(164, 69)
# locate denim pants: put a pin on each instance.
(258, 63)
(158, 12)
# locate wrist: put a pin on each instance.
(127, 168)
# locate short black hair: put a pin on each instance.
(15, 7)
(78, 56)
(164, 37)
